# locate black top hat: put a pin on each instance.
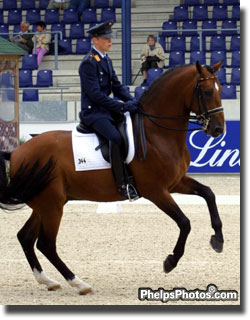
(103, 30)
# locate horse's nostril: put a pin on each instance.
(219, 130)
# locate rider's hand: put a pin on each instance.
(131, 106)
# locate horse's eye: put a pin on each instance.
(208, 93)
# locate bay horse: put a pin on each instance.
(43, 176)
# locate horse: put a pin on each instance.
(42, 173)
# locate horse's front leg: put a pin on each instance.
(167, 204)
(191, 186)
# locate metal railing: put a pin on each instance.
(57, 33)
(181, 31)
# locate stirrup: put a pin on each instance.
(135, 197)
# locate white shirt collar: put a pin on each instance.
(100, 53)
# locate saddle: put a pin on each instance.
(103, 142)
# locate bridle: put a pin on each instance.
(202, 117)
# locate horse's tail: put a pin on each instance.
(27, 182)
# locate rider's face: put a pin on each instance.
(102, 44)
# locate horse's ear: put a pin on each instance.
(198, 67)
(217, 66)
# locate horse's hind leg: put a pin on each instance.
(27, 236)
(191, 186)
(166, 203)
(50, 221)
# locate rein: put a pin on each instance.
(202, 119)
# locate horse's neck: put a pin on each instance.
(169, 101)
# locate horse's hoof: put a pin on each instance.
(168, 265)
(54, 287)
(85, 291)
(216, 244)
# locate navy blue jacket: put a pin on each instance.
(98, 80)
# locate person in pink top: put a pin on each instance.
(42, 41)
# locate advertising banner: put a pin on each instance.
(215, 155)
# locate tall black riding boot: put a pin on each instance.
(125, 188)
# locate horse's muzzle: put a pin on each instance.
(215, 127)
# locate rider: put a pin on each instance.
(98, 110)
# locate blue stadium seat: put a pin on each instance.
(235, 59)
(139, 91)
(235, 43)
(44, 78)
(169, 25)
(9, 95)
(89, 15)
(16, 28)
(9, 4)
(28, 4)
(51, 16)
(117, 3)
(181, 13)
(195, 43)
(29, 62)
(220, 12)
(200, 12)
(152, 74)
(7, 79)
(101, 3)
(176, 58)
(30, 95)
(218, 43)
(162, 42)
(33, 16)
(192, 2)
(228, 91)
(76, 30)
(229, 24)
(231, 2)
(221, 74)
(4, 28)
(25, 78)
(108, 14)
(178, 43)
(209, 24)
(236, 12)
(14, 16)
(70, 16)
(1, 16)
(235, 76)
(189, 24)
(58, 27)
(33, 29)
(65, 46)
(217, 56)
(211, 2)
(198, 56)
(83, 45)
(43, 4)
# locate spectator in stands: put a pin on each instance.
(101, 112)
(24, 38)
(152, 56)
(55, 4)
(42, 41)
(79, 5)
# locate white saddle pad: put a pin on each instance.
(85, 155)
